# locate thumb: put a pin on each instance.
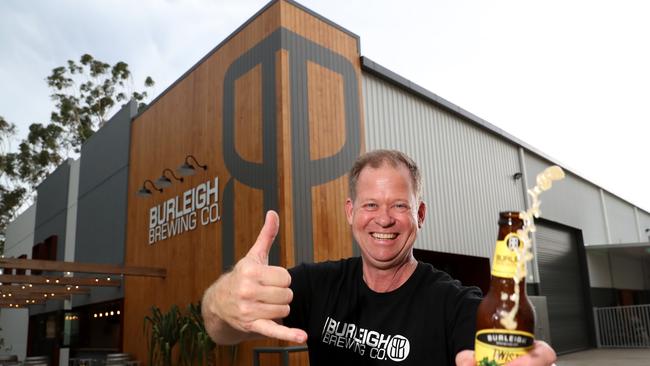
(260, 250)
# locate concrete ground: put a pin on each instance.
(607, 357)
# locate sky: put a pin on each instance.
(569, 78)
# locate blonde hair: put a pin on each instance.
(378, 158)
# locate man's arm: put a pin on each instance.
(246, 302)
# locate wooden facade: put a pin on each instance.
(275, 113)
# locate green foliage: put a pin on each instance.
(486, 362)
(85, 94)
(165, 330)
(162, 332)
(197, 348)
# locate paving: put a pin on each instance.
(607, 356)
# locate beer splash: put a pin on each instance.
(524, 254)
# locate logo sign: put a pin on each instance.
(307, 172)
(185, 212)
(368, 343)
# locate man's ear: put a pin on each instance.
(422, 212)
(349, 205)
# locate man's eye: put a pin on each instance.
(370, 205)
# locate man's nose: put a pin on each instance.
(384, 218)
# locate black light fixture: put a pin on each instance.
(146, 192)
(517, 176)
(164, 181)
(188, 169)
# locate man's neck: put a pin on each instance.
(386, 280)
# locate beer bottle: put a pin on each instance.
(494, 344)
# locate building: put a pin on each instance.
(276, 114)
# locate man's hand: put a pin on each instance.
(251, 297)
(541, 355)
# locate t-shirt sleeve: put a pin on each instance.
(463, 326)
(300, 305)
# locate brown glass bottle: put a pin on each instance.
(496, 345)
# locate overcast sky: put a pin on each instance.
(570, 78)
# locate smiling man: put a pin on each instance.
(382, 308)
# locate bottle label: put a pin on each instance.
(496, 347)
(504, 263)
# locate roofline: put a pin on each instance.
(376, 69)
(233, 34)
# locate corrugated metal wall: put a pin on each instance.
(584, 212)
(468, 173)
(621, 219)
(644, 223)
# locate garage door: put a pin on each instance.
(562, 282)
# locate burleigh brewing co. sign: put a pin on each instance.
(198, 205)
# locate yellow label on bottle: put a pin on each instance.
(496, 347)
(504, 262)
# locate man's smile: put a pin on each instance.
(384, 236)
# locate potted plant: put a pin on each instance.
(163, 332)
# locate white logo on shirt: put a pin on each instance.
(364, 341)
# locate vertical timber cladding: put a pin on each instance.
(275, 113)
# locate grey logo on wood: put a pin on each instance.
(307, 173)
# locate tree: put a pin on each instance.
(85, 95)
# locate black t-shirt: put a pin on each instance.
(426, 321)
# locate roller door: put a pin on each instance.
(562, 281)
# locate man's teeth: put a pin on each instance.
(384, 235)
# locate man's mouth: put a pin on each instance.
(384, 236)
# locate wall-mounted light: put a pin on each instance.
(164, 181)
(517, 176)
(188, 169)
(146, 192)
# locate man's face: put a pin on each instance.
(385, 216)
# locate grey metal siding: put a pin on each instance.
(622, 220)
(572, 201)
(71, 216)
(51, 207)
(107, 151)
(467, 172)
(599, 265)
(101, 206)
(644, 224)
(20, 234)
(628, 272)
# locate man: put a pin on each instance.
(382, 308)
